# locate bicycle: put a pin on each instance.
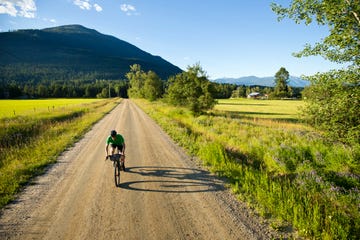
(118, 163)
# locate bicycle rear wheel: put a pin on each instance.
(117, 173)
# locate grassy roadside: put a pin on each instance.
(29, 143)
(283, 169)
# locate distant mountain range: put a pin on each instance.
(262, 81)
(72, 51)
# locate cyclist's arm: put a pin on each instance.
(107, 149)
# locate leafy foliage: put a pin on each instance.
(191, 89)
(136, 78)
(333, 97)
(334, 104)
(342, 18)
(282, 90)
(223, 90)
(64, 89)
(153, 86)
(144, 85)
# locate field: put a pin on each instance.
(38, 131)
(284, 169)
(12, 108)
(274, 109)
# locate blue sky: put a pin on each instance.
(229, 38)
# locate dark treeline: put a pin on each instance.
(64, 89)
(25, 72)
(87, 87)
(58, 81)
(223, 91)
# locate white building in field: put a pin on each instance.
(254, 95)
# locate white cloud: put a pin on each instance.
(128, 9)
(21, 8)
(83, 4)
(86, 5)
(97, 7)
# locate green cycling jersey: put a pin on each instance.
(118, 140)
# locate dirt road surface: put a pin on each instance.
(163, 195)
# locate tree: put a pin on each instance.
(333, 97)
(191, 89)
(153, 86)
(144, 85)
(121, 88)
(281, 89)
(223, 90)
(42, 90)
(239, 92)
(136, 77)
(104, 93)
(343, 19)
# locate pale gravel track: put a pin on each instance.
(163, 195)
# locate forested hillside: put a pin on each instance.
(71, 52)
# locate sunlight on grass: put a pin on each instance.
(266, 109)
(281, 167)
(29, 143)
(11, 108)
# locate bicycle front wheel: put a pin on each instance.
(117, 173)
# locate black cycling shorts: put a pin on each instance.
(120, 147)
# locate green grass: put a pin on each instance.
(284, 169)
(28, 143)
(264, 109)
(14, 108)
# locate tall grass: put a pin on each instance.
(284, 169)
(29, 143)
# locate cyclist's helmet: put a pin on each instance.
(113, 133)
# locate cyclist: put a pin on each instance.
(115, 140)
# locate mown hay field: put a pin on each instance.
(12, 108)
(273, 109)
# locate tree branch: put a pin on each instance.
(353, 12)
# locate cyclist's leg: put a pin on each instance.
(122, 159)
(112, 148)
(119, 149)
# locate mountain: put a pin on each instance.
(262, 81)
(72, 51)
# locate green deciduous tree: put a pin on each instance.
(343, 19)
(239, 92)
(136, 77)
(191, 89)
(333, 97)
(144, 85)
(281, 89)
(153, 86)
(335, 104)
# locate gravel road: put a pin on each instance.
(163, 195)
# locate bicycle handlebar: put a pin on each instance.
(114, 156)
